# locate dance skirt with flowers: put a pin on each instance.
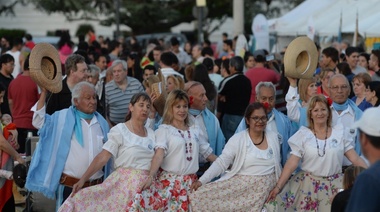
(239, 193)
(112, 195)
(306, 192)
(168, 193)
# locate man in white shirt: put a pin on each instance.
(15, 52)
(344, 110)
(69, 141)
(207, 122)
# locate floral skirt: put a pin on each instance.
(306, 192)
(168, 193)
(112, 195)
(239, 193)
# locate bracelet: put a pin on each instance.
(278, 188)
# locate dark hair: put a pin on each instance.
(247, 55)
(174, 41)
(17, 41)
(350, 175)
(251, 108)
(113, 45)
(136, 70)
(344, 68)
(207, 51)
(207, 42)
(208, 63)
(158, 48)
(376, 52)
(238, 63)
(6, 58)
(65, 39)
(150, 67)
(72, 61)
(135, 98)
(332, 53)
(225, 34)
(28, 37)
(226, 65)
(83, 45)
(167, 58)
(375, 86)
(98, 56)
(201, 75)
(351, 50)
(365, 55)
(26, 63)
(218, 62)
(228, 42)
(375, 141)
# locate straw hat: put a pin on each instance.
(45, 67)
(159, 89)
(301, 58)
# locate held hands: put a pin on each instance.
(148, 182)
(272, 195)
(195, 185)
(77, 186)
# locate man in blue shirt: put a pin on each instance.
(365, 194)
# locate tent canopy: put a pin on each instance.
(326, 17)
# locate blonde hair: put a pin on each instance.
(173, 98)
(312, 103)
(178, 81)
(150, 81)
(350, 175)
(303, 84)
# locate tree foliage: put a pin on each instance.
(148, 16)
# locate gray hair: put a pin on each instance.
(341, 76)
(93, 70)
(77, 90)
(267, 85)
(238, 63)
(122, 62)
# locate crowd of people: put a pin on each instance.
(161, 128)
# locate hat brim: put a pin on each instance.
(45, 67)
(301, 58)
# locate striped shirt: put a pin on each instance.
(117, 100)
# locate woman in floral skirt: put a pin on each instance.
(175, 161)
(255, 157)
(131, 146)
(321, 148)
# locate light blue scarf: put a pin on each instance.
(340, 107)
(78, 124)
(195, 112)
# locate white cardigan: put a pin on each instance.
(235, 152)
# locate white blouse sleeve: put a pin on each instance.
(161, 138)
(38, 116)
(115, 140)
(296, 142)
(292, 104)
(347, 140)
(222, 163)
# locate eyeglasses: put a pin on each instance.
(336, 88)
(257, 119)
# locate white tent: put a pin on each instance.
(326, 17)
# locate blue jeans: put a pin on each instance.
(229, 125)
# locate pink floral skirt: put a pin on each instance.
(306, 192)
(112, 195)
(168, 193)
(239, 193)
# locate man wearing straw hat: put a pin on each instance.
(69, 140)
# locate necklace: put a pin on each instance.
(324, 147)
(262, 140)
(188, 145)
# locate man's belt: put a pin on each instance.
(69, 181)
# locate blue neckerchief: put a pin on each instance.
(78, 125)
(270, 114)
(194, 112)
(340, 107)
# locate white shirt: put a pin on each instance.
(198, 121)
(128, 149)
(304, 145)
(292, 104)
(347, 119)
(17, 68)
(257, 162)
(169, 71)
(183, 58)
(79, 158)
(174, 145)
